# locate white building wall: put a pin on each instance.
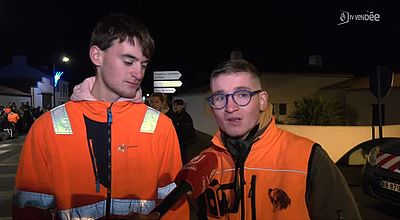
(18, 100)
(42, 87)
(45, 86)
(362, 101)
(338, 140)
(287, 88)
(392, 103)
(36, 97)
(62, 95)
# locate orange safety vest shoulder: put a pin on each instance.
(57, 169)
(275, 178)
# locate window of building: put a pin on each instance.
(282, 108)
(279, 108)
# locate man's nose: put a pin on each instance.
(137, 71)
(231, 106)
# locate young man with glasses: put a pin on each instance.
(265, 172)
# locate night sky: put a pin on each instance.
(194, 36)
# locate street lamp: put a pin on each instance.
(57, 76)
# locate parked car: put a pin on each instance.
(381, 172)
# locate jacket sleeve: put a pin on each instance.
(328, 195)
(170, 164)
(32, 198)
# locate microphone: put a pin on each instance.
(192, 180)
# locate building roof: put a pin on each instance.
(20, 76)
(4, 90)
(19, 69)
(360, 83)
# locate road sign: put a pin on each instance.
(172, 83)
(381, 82)
(165, 90)
(166, 75)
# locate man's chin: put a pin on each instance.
(129, 95)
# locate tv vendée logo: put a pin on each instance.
(345, 17)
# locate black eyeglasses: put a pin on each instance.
(240, 97)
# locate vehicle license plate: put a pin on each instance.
(390, 186)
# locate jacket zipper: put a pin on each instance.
(109, 122)
(252, 196)
(94, 164)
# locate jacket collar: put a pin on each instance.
(267, 130)
(82, 92)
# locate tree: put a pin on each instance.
(318, 110)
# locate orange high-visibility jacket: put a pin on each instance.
(276, 164)
(58, 167)
(286, 177)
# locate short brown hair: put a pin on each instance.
(234, 66)
(122, 27)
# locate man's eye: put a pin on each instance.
(242, 94)
(128, 63)
(219, 98)
(144, 66)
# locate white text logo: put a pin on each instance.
(345, 17)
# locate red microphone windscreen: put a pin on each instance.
(198, 172)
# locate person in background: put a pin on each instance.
(158, 101)
(265, 172)
(4, 123)
(27, 118)
(89, 158)
(13, 118)
(183, 125)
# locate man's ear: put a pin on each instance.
(263, 100)
(96, 55)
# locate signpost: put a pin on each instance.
(172, 83)
(165, 90)
(166, 81)
(167, 75)
(380, 84)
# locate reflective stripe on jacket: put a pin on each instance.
(92, 211)
(275, 175)
(57, 171)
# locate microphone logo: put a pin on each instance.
(191, 165)
(196, 159)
